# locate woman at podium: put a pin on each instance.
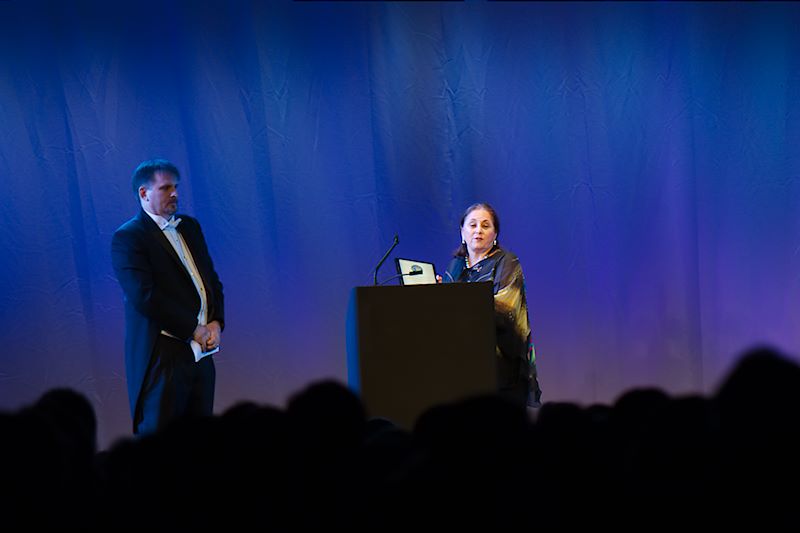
(480, 258)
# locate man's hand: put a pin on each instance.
(208, 336)
(215, 335)
(201, 335)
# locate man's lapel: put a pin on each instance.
(155, 232)
(189, 237)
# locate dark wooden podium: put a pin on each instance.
(412, 347)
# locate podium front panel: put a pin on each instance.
(410, 348)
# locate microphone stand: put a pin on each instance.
(395, 243)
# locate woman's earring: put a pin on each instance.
(494, 243)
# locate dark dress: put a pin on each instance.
(516, 357)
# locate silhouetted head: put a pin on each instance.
(327, 413)
(72, 415)
(763, 384)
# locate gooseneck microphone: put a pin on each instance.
(394, 243)
(416, 270)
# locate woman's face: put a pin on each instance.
(478, 231)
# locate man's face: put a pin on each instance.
(160, 196)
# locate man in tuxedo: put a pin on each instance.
(174, 307)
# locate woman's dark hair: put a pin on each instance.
(461, 251)
(143, 174)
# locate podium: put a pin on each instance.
(413, 347)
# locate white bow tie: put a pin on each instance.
(172, 223)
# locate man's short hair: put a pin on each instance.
(143, 175)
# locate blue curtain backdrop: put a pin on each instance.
(643, 158)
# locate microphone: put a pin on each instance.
(416, 270)
(394, 243)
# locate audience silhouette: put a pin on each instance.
(649, 460)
